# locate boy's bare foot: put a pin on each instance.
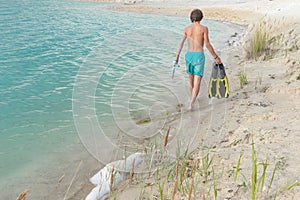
(191, 107)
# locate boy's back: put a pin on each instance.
(195, 37)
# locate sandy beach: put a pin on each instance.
(265, 108)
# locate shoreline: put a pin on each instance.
(85, 189)
(92, 175)
(255, 108)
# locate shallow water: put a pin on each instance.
(74, 72)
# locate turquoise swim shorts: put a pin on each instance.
(195, 63)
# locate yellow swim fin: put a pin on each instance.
(218, 84)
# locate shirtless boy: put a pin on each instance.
(196, 35)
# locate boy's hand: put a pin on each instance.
(218, 60)
(175, 63)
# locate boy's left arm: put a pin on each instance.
(183, 38)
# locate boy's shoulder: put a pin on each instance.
(188, 26)
(191, 25)
(203, 26)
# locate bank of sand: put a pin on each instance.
(266, 107)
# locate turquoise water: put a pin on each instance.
(46, 46)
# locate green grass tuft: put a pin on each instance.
(254, 173)
(289, 185)
(293, 47)
(189, 177)
(243, 78)
(237, 167)
(143, 121)
(263, 42)
(259, 43)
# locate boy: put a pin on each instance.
(196, 35)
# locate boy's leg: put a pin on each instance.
(191, 84)
(195, 90)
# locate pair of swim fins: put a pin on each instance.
(218, 84)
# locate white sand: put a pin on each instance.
(267, 107)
